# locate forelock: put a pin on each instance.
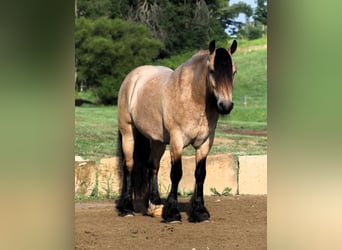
(222, 61)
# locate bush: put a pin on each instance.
(107, 50)
(252, 31)
(107, 92)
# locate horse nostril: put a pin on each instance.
(231, 105)
(220, 105)
(225, 107)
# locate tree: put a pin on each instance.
(112, 9)
(180, 24)
(107, 49)
(93, 9)
(231, 12)
(260, 14)
(255, 29)
(251, 31)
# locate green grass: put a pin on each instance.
(250, 91)
(95, 131)
(86, 95)
(243, 43)
(96, 126)
(96, 135)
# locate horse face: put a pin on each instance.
(221, 72)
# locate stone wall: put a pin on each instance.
(243, 174)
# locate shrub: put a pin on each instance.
(252, 31)
(107, 49)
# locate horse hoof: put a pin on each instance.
(155, 210)
(175, 218)
(175, 222)
(205, 221)
(127, 214)
(132, 214)
(202, 218)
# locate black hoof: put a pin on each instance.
(171, 214)
(199, 215)
(125, 208)
(126, 213)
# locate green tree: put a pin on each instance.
(107, 49)
(180, 24)
(231, 12)
(260, 14)
(93, 9)
(255, 29)
(251, 31)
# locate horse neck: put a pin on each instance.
(200, 88)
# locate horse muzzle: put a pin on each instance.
(224, 107)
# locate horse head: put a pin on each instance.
(221, 72)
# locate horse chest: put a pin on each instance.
(197, 132)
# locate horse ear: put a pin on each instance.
(233, 47)
(212, 46)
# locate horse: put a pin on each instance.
(157, 107)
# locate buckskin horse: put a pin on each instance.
(158, 106)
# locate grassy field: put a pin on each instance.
(250, 91)
(96, 126)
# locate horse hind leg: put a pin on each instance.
(152, 199)
(125, 204)
(125, 152)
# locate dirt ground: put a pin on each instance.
(238, 222)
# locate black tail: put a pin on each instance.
(140, 174)
(121, 158)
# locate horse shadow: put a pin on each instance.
(139, 207)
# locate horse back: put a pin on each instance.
(140, 100)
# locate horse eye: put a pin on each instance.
(211, 71)
(235, 72)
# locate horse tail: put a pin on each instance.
(121, 158)
(140, 173)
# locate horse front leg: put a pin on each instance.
(198, 212)
(171, 213)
